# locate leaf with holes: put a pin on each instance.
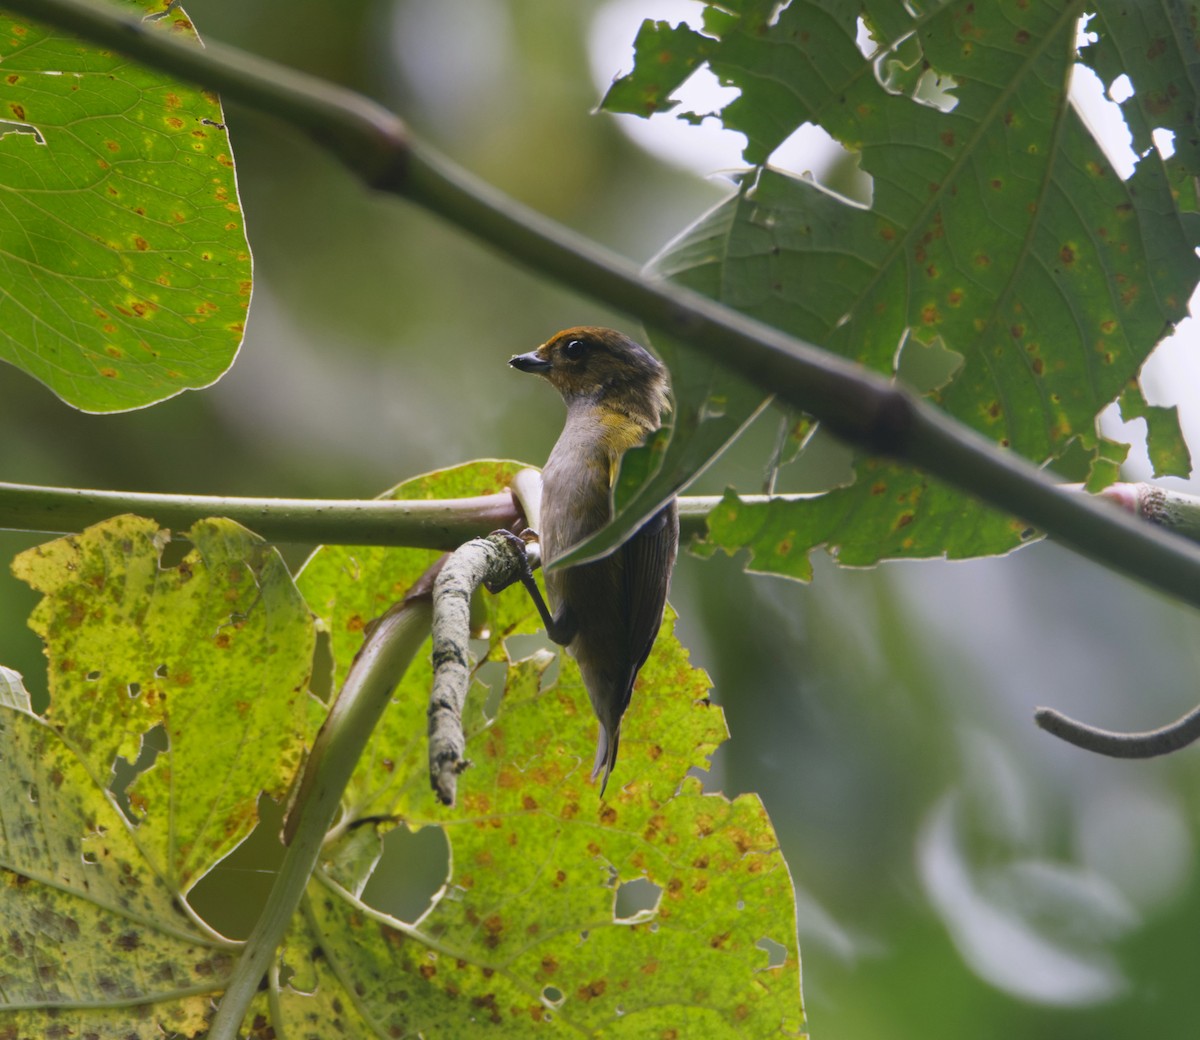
(532, 930)
(94, 942)
(887, 513)
(349, 586)
(1154, 45)
(124, 268)
(1168, 450)
(996, 227)
(212, 654)
(541, 924)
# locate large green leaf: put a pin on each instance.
(215, 653)
(997, 228)
(94, 944)
(124, 269)
(889, 512)
(524, 936)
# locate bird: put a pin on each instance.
(606, 613)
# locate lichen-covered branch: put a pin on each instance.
(495, 561)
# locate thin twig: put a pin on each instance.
(1146, 744)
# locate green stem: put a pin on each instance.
(373, 676)
(431, 524)
(859, 406)
(434, 524)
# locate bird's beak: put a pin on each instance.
(531, 362)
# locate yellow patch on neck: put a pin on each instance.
(620, 432)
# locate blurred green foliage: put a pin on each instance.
(376, 348)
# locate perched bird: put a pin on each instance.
(606, 613)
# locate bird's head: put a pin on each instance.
(604, 367)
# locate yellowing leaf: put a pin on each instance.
(94, 943)
(213, 653)
(531, 932)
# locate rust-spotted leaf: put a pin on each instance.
(996, 227)
(124, 269)
(94, 943)
(533, 931)
(210, 657)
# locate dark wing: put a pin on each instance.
(649, 557)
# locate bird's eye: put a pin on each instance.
(575, 348)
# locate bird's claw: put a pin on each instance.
(518, 543)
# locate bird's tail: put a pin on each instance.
(606, 754)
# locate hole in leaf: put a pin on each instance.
(525, 645)
(863, 40)
(321, 683)
(92, 676)
(161, 672)
(926, 366)
(124, 772)
(230, 896)
(522, 647)
(491, 674)
(636, 900)
(173, 553)
(134, 689)
(1121, 89)
(553, 997)
(31, 792)
(1101, 112)
(1164, 141)
(898, 63)
(155, 16)
(7, 126)
(936, 90)
(410, 874)
(812, 153)
(776, 952)
(89, 858)
(299, 981)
